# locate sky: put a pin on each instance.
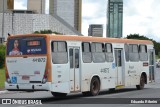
(139, 16)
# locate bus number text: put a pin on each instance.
(39, 60)
(105, 70)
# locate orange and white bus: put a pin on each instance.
(65, 64)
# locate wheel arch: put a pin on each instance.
(145, 75)
(96, 76)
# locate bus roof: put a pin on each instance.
(87, 39)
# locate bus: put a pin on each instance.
(64, 64)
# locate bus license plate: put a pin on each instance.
(25, 77)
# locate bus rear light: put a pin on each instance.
(45, 77)
(7, 77)
(8, 80)
(44, 80)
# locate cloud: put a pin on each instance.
(93, 13)
(47, 7)
(20, 4)
(141, 16)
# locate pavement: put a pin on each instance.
(151, 90)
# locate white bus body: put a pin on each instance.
(79, 64)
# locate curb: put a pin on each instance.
(4, 91)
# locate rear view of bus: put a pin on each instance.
(26, 63)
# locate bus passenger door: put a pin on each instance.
(74, 55)
(119, 66)
(151, 65)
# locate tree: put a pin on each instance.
(46, 32)
(36, 32)
(2, 55)
(141, 37)
(137, 36)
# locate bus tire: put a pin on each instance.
(142, 83)
(94, 86)
(112, 90)
(59, 95)
(86, 93)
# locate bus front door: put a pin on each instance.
(119, 66)
(74, 56)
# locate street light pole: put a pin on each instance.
(3, 24)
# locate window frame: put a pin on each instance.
(103, 47)
(133, 49)
(57, 46)
(140, 51)
(137, 45)
(146, 52)
(108, 52)
(83, 46)
(107, 49)
(90, 51)
(103, 51)
(52, 51)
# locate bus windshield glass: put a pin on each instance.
(26, 46)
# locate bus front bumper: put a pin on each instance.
(27, 87)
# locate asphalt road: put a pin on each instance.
(123, 96)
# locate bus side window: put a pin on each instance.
(109, 52)
(133, 53)
(86, 52)
(98, 53)
(126, 46)
(143, 53)
(59, 52)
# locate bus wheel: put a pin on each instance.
(86, 93)
(112, 90)
(142, 83)
(95, 86)
(59, 95)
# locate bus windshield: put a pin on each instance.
(26, 46)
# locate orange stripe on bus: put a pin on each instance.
(86, 39)
(100, 39)
(49, 60)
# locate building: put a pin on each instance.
(8, 4)
(31, 20)
(5, 5)
(26, 22)
(69, 10)
(37, 6)
(95, 30)
(115, 18)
